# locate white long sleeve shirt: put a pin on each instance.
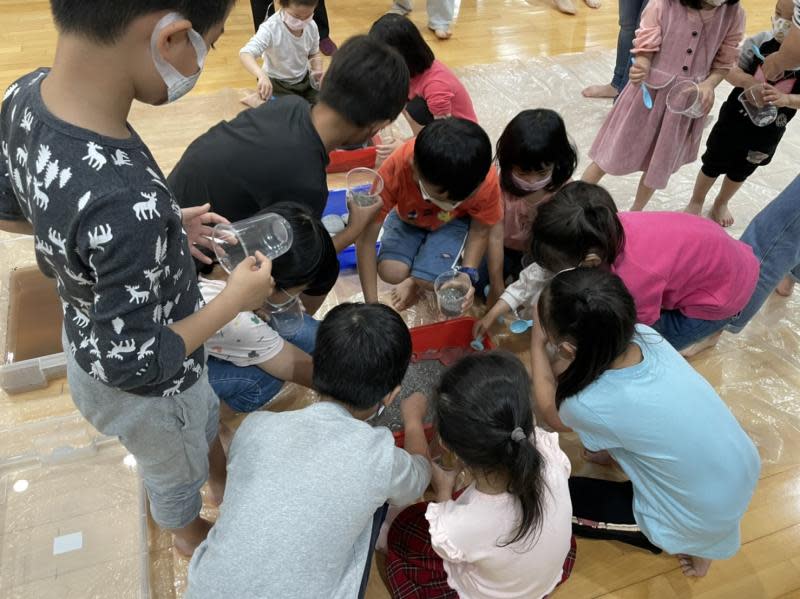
(525, 290)
(285, 54)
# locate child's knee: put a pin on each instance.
(393, 271)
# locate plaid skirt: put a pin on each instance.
(413, 568)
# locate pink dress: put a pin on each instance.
(685, 44)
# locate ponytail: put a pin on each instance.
(580, 219)
(483, 413)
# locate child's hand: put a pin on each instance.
(383, 151)
(197, 221)
(251, 282)
(774, 97)
(414, 408)
(481, 327)
(443, 482)
(361, 216)
(706, 96)
(639, 72)
(264, 87)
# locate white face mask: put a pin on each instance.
(715, 3)
(381, 408)
(178, 85)
(446, 206)
(780, 28)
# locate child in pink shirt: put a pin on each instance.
(687, 276)
(509, 533)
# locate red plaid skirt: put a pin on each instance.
(413, 568)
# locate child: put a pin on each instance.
(678, 40)
(304, 486)
(687, 275)
(692, 468)
(76, 176)
(440, 197)
(249, 359)
(287, 40)
(536, 158)
(509, 532)
(736, 146)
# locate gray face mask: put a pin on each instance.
(178, 85)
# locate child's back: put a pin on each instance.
(302, 490)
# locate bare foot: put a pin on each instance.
(703, 344)
(441, 32)
(721, 215)
(187, 539)
(405, 295)
(693, 208)
(601, 457)
(593, 3)
(566, 6)
(694, 566)
(785, 287)
(600, 91)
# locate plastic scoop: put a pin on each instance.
(757, 52)
(520, 325)
(477, 345)
(647, 99)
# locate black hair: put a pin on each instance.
(366, 83)
(699, 4)
(105, 22)
(453, 154)
(533, 140)
(312, 252)
(401, 34)
(288, 3)
(478, 403)
(592, 309)
(581, 218)
(362, 354)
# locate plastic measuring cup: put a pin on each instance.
(315, 72)
(451, 288)
(267, 233)
(761, 113)
(285, 318)
(685, 99)
(364, 186)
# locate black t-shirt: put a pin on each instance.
(265, 155)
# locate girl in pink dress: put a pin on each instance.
(682, 40)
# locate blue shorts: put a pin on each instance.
(427, 253)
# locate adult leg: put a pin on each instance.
(401, 7)
(643, 195)
(440, 17)
(326, 45)
(774, 235)
(719, 211)
(702, 186)
(259, 9)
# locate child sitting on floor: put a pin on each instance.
(440, 199)
(307, 488)
(288, 41)
(632, 398)
(737, 146)
(509, 533)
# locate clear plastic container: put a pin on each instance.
(761, 113)
(267, 233)
(285, 318)
(451, 289)
(684, 98)
(364, 186)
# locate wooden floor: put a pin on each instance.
(487, 32)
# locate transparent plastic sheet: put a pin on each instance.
(73, 514)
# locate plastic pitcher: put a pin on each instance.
(685, 99)
(761, 113)
(451, 288)
(364, 186)
(268, 233)
(285, 318)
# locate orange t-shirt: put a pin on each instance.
(401, 191)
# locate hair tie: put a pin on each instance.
(518, 435)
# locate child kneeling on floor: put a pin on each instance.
(509, 533)
(440, 198)
(632, 398)
(306, 488)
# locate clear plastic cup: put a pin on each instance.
(285, 318)
(451, 288)
(268, 233)
(761, 113)
(364, 186)
(315, 72)
(684, 98)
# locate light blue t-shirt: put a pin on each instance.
(692, 466)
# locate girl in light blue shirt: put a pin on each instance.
(634, 400)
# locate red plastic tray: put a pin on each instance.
(451, 333)
(342, 161)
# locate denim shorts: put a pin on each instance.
(248, 388)
(681, 331)
(169, 437)
(427, 253)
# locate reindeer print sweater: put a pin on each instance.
(107, 230)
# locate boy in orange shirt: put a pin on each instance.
(440, 198)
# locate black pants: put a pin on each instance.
(264, 8)
(603, 509)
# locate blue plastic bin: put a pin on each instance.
(337, 204)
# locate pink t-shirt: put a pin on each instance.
(465, 534)
(443, 92)
(678, 261)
